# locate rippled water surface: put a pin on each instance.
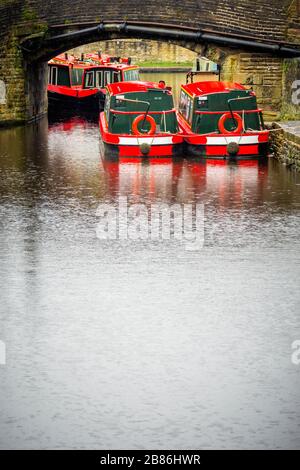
(144, 344)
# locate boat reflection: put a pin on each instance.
(75, 143)
(67, 119)
(186, 180)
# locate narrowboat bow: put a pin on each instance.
(221, 119)
(139, 120)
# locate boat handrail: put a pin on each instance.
(246, 111)
(169, 111)
(136, 101)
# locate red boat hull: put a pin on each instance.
(75, 97)
(250, 144)
(160, 145)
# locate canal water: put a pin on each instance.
(139, 343)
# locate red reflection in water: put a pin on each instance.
(167, 179)
(152, 178)
(69, 124)
(236, 182)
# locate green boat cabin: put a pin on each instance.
(126, 101)
(202, 104)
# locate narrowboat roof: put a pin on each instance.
(107, 59)
(60, 61)
(80, 65)
(74, 62)
(204, 88)
(114, 66)
(131, 87)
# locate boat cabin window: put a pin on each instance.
(107, 77)
(116, 77)
(101, 78)
(53, 75)
(89, 80)
(131, 75)
(76, 76)
(59, 76)
(111, 76)
(186, 106)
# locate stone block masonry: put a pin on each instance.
(141, 51)
(263, 73)
(262, 18)
(24, 85)
(285, 143)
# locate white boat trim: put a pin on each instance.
(246, 139)
(145, 140)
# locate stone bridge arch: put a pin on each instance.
(251, 44)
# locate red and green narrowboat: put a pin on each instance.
(75, 83)
(139, 120)
(221, 119)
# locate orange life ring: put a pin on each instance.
(237, 118)
(140, 118)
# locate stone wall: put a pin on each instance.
(12, 76)
(291, 89)
(263, 73)
(262, 18)
(141, 51)
(285, 143)
(24, 84)
(293, 14)
(11, 73)
(291, 68)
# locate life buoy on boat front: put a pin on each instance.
(142, 117)
(238, 120)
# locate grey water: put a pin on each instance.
(137, 344)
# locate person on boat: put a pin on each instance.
(162, 84)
